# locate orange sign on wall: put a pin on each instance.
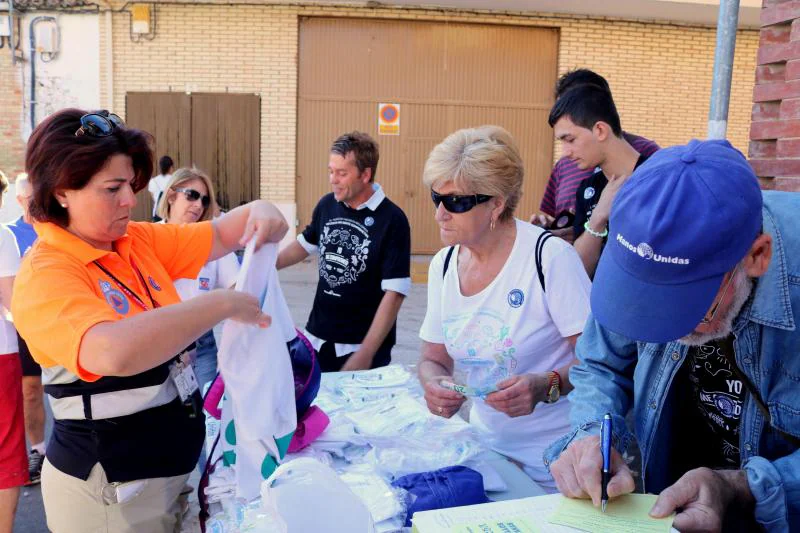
(388, 119)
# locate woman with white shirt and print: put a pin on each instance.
(499, 327)
(189, 197)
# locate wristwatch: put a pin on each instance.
(553, 387)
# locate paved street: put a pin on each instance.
(299, 284)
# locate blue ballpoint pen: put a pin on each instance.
(605, 449)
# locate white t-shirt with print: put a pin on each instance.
(218, 274)
(9, 264)
(513, 327)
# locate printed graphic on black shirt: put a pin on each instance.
(343, 250)
(718, 395)
(588, 196)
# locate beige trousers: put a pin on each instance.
(97, 506)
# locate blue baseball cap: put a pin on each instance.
(681, 221)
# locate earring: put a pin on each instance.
(491, 226)
(64, 206)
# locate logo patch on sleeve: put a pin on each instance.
(115, 298)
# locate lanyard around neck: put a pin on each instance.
(128, 292)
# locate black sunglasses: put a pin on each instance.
(456, 203)
(100, 124)
(193, 195)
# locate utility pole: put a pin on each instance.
(723, 68)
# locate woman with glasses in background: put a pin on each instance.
(188, 198)
(505, 303)
(96, 303)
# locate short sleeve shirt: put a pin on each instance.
(588, 195)
(512, 327)
(362, 252)
(61, 293)
(219, 274)
(9, 264)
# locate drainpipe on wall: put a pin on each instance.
(723, 68)
(32, 38)
(109, 22)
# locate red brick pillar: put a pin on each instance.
(775, 129)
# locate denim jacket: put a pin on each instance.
(615, 374)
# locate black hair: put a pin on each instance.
(165, 163)
(580, 76)
(585, 106)
(364, 148)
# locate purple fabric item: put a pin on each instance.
(307, 378)
(559, 194)
(453, 486)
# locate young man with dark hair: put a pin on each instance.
(586, 122)
(364, 246)
(559, 194)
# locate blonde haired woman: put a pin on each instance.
(189, 197)
(493, 326)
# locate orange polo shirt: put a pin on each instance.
(59, 293)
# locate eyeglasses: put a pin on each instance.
(708, 319)
(456, 203)
(193, 195)
(100, 124)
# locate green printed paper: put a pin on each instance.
(626, 514)
(514, 525)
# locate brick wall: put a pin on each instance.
(12, 148)
(660, 72)
(775, 130)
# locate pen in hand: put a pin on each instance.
(605, 449)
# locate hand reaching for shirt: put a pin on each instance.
(518, 395)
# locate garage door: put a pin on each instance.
(444, 77)
(217, 133)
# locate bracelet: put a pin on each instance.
(599, 234)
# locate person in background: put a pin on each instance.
(364, 245)
(22, 228)
(492, 323)
(158, 183)
(95, 300)
(13, 464)
(32, 390)
(559, 194)
(189, 197)
(586, 122)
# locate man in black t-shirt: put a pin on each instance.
(586, 122)
(364, 245)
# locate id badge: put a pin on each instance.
(182, 375)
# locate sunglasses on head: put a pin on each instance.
(193, 195)
(100, 124)
(458, 203)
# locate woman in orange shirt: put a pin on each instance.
(95, 301)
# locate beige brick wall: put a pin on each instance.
(12, 149)
(660, 73)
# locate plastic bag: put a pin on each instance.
(258, 413)
(309, 496)
(478, 376)
(388, 418)
(383, 501)
(237, 517)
